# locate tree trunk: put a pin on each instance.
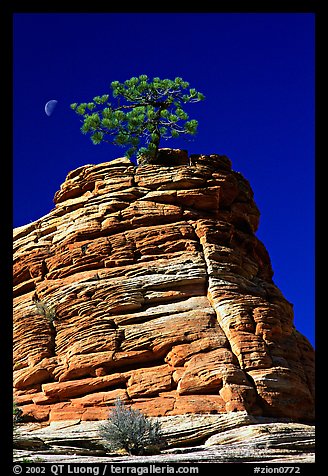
(156, 143)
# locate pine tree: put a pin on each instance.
(143, 112)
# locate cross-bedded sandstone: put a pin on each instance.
(160, 294)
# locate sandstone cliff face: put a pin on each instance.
(148, 283)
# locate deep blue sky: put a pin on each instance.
(257, 73)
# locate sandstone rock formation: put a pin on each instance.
(148, 283)
(226, 437)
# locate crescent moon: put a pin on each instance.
(50, 106)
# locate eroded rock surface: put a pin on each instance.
(234, 437)
(148, 283)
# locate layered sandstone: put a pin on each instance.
(148, 283)
(226, 437)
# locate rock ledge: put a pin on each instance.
(190, 438)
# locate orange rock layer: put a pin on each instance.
(148, 283)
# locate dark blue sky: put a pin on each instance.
(257, 72)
